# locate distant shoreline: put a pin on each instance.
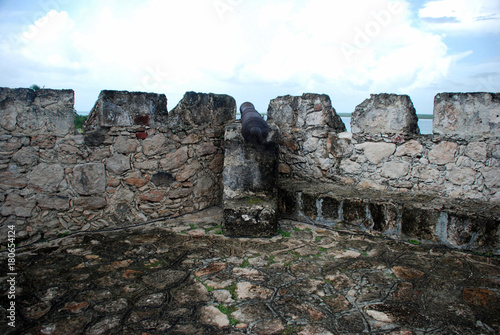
(420, 116)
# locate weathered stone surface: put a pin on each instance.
(125, 145)
(462, 176)
(153, 196)
(385, 114)
(376, 151)
(46, 177)
(443, 153)
(53, 202)
(214, 317)
(118, 164)
(477, 151)
(202, 110)
(155, 145)
(13, 180)
(44, 111)
(350, 167)
(188, 171)
(395, 169)
(27, 156)
(406, 273)
(17, 205)
(90, 202)
(467, 114)
(302, 111)
(410, 148)
(175, 159)
(491, 177)
(123, 109)
(89, 179)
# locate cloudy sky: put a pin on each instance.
(254, 50)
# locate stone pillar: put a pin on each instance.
(250, 179)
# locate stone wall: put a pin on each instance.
(385, 150)
(134, 162)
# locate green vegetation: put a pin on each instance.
(254, 200)
(284, 233)
(35, 87)
(228, 310)
(79, 120)
(245, 263)
(232, 289)
(414, 242)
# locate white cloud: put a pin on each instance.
(231, 46)
(462, 15)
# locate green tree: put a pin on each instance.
(35, 87)
(79, 120)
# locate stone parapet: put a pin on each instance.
(55, 180)
(465, 115)
(125, 109)
(385, 114)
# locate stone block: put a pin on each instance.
(385, 114)
(125, 109)
(203, 110)
(376, 151)
(251, 217)
(60, 203)
(46, 177)
(38, 112)
(467, 114)
(17, 205)
(310, 109)
(443, 153)
(250, 182)
(89, 179)
(118, 164)
(91, 203)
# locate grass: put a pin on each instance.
(228, 310)
(254, 200)
(245, 263)
(284, 233)
(232, 289)
(416, 242)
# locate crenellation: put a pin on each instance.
(136, 162)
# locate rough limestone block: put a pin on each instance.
(124, 109)
(385, 114)
(250, 181)
(467, 114)
(203, 110)
(38, 112)
(310, 109)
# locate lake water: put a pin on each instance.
(425, 125)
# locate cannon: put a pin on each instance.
(253, 127)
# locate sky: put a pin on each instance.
(253, 50)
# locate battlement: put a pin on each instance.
(135, 161)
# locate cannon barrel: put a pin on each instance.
(253, 127)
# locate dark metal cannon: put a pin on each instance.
(253, 127)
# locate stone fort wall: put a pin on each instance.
(133, 163)
(136, 162)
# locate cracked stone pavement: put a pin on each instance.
(182, 276)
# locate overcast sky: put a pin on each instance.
(254, 50)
